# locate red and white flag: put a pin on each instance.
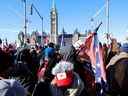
(94, 50)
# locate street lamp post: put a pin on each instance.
(32, 6)
(25, 17)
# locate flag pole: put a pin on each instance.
(107, 20)
(62, 39)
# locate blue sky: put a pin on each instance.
(72, 14)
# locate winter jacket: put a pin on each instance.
(11, 87)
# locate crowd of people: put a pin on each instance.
(53, 70)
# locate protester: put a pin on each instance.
(117, 74)
(67, 86)
(67, 82)
(0, 43)
(8, 87)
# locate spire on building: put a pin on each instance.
(53, 4)
(54, 7)
(54, 23)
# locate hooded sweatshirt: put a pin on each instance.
(11, 87)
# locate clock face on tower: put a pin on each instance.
(53, 22)
(54, 13)
(53, 17)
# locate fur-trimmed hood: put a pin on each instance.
(62, 66)
(117, 58)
